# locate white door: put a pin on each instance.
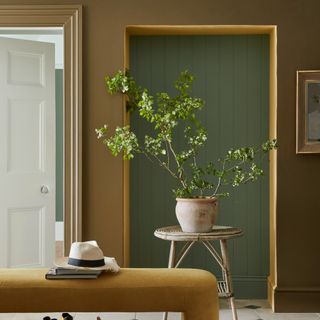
(27, 153)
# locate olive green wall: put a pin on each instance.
(297, 287)
(232, 76)
(59, 145)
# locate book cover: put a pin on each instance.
(52, 275)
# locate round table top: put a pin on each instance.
(174, 233)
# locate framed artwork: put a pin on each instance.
(308, 112)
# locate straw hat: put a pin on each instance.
(87, 255)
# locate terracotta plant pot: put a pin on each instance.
(196, 214)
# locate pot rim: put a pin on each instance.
(203, 199)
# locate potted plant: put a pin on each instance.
(198, 186)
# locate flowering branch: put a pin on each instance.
(237, 167)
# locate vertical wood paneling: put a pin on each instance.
(240, 113)
(264, 128)
(253, 138)
(232, 77)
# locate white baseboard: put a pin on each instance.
(59, 231)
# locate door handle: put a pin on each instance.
(44, 189)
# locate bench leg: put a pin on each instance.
(171, 264)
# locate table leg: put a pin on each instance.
(171, 264)
(172, 255)
(227, 277)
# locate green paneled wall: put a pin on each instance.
(232, 77)
(59, 145)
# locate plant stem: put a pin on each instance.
(179, 167)
(168, 155)
(220, 180)
(236, 165)
(162, 164)
(146, 154)
(194, 158)
(174, 154)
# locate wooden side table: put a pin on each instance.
(220, 233)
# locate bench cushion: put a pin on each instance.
(191, 291)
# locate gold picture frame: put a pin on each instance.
(308, 111)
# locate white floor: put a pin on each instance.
(247, 310)
(260, 310)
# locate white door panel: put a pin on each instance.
(31, 63)
(28, 225)
(27, 153)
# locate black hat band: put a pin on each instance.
(86, 263)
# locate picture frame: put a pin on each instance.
(308, 111)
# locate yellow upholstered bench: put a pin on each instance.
(190, 291)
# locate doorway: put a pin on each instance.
(69, 19)
(232, 75)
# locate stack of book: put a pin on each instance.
(63, 273)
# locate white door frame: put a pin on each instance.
(70, 18)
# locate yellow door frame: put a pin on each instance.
(271, 30)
